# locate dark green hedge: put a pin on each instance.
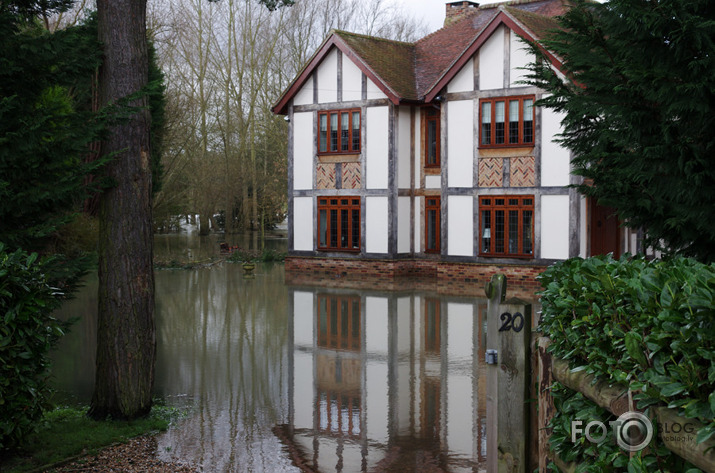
(649, 324)
(27, 332)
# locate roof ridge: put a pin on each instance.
(365, 36)
(521, 11)
(507, 3)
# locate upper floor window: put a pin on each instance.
(506, 122)
(432, 137)
(507, 225)
(339, 131)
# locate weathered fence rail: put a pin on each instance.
(616, 400)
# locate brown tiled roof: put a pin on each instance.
(392, 61)
(539, 25)
(438, 51)
(411, 71)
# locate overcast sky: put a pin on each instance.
(432, 11)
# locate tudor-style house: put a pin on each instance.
(434, 151)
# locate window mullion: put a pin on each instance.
(494, 124)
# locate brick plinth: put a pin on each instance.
(432, 275)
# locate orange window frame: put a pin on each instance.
(339, 220)
(489, 132)
(332, 138)
(432, 136)
(506, 226)
(432, 217)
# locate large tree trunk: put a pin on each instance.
(126, 340)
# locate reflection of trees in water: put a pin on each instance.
(223, 342)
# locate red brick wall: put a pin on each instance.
(443, 277)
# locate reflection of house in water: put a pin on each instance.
(385, 382)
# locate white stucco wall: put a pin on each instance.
(555, 226)
(491, 61)
(352, 80)
(303, 150)
(555, 159)
(403, 224)
(460, 225)
(303, 319)
(373, 92)
(328, 78)
(433, 182)
(303, 223)
(403, 147)
(460, 141)
(376, 225)
(463, 81)
(519, 57)
(305, 95)
(376, 148)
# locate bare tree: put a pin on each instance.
(225, 65)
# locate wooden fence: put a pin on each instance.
(617, 400)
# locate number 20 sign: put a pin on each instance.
(511, 322)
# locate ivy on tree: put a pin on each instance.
(638, 105)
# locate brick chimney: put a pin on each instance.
(458, 10)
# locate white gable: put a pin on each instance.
(464, 80)
(328, 78)
(352, 80)
(373, 92)
(491, 61)
(520, 57)
(305, 94)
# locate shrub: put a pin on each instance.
(648, 324)
(268, 255)
(27, 333)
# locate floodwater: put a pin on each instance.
(281, 378)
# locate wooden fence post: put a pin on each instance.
(546, 403)
(508, 375)
(495, 291)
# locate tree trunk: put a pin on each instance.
(126, 339)
(204, 224)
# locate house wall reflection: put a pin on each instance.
(386, 382)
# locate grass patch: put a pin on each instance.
(67, 432)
